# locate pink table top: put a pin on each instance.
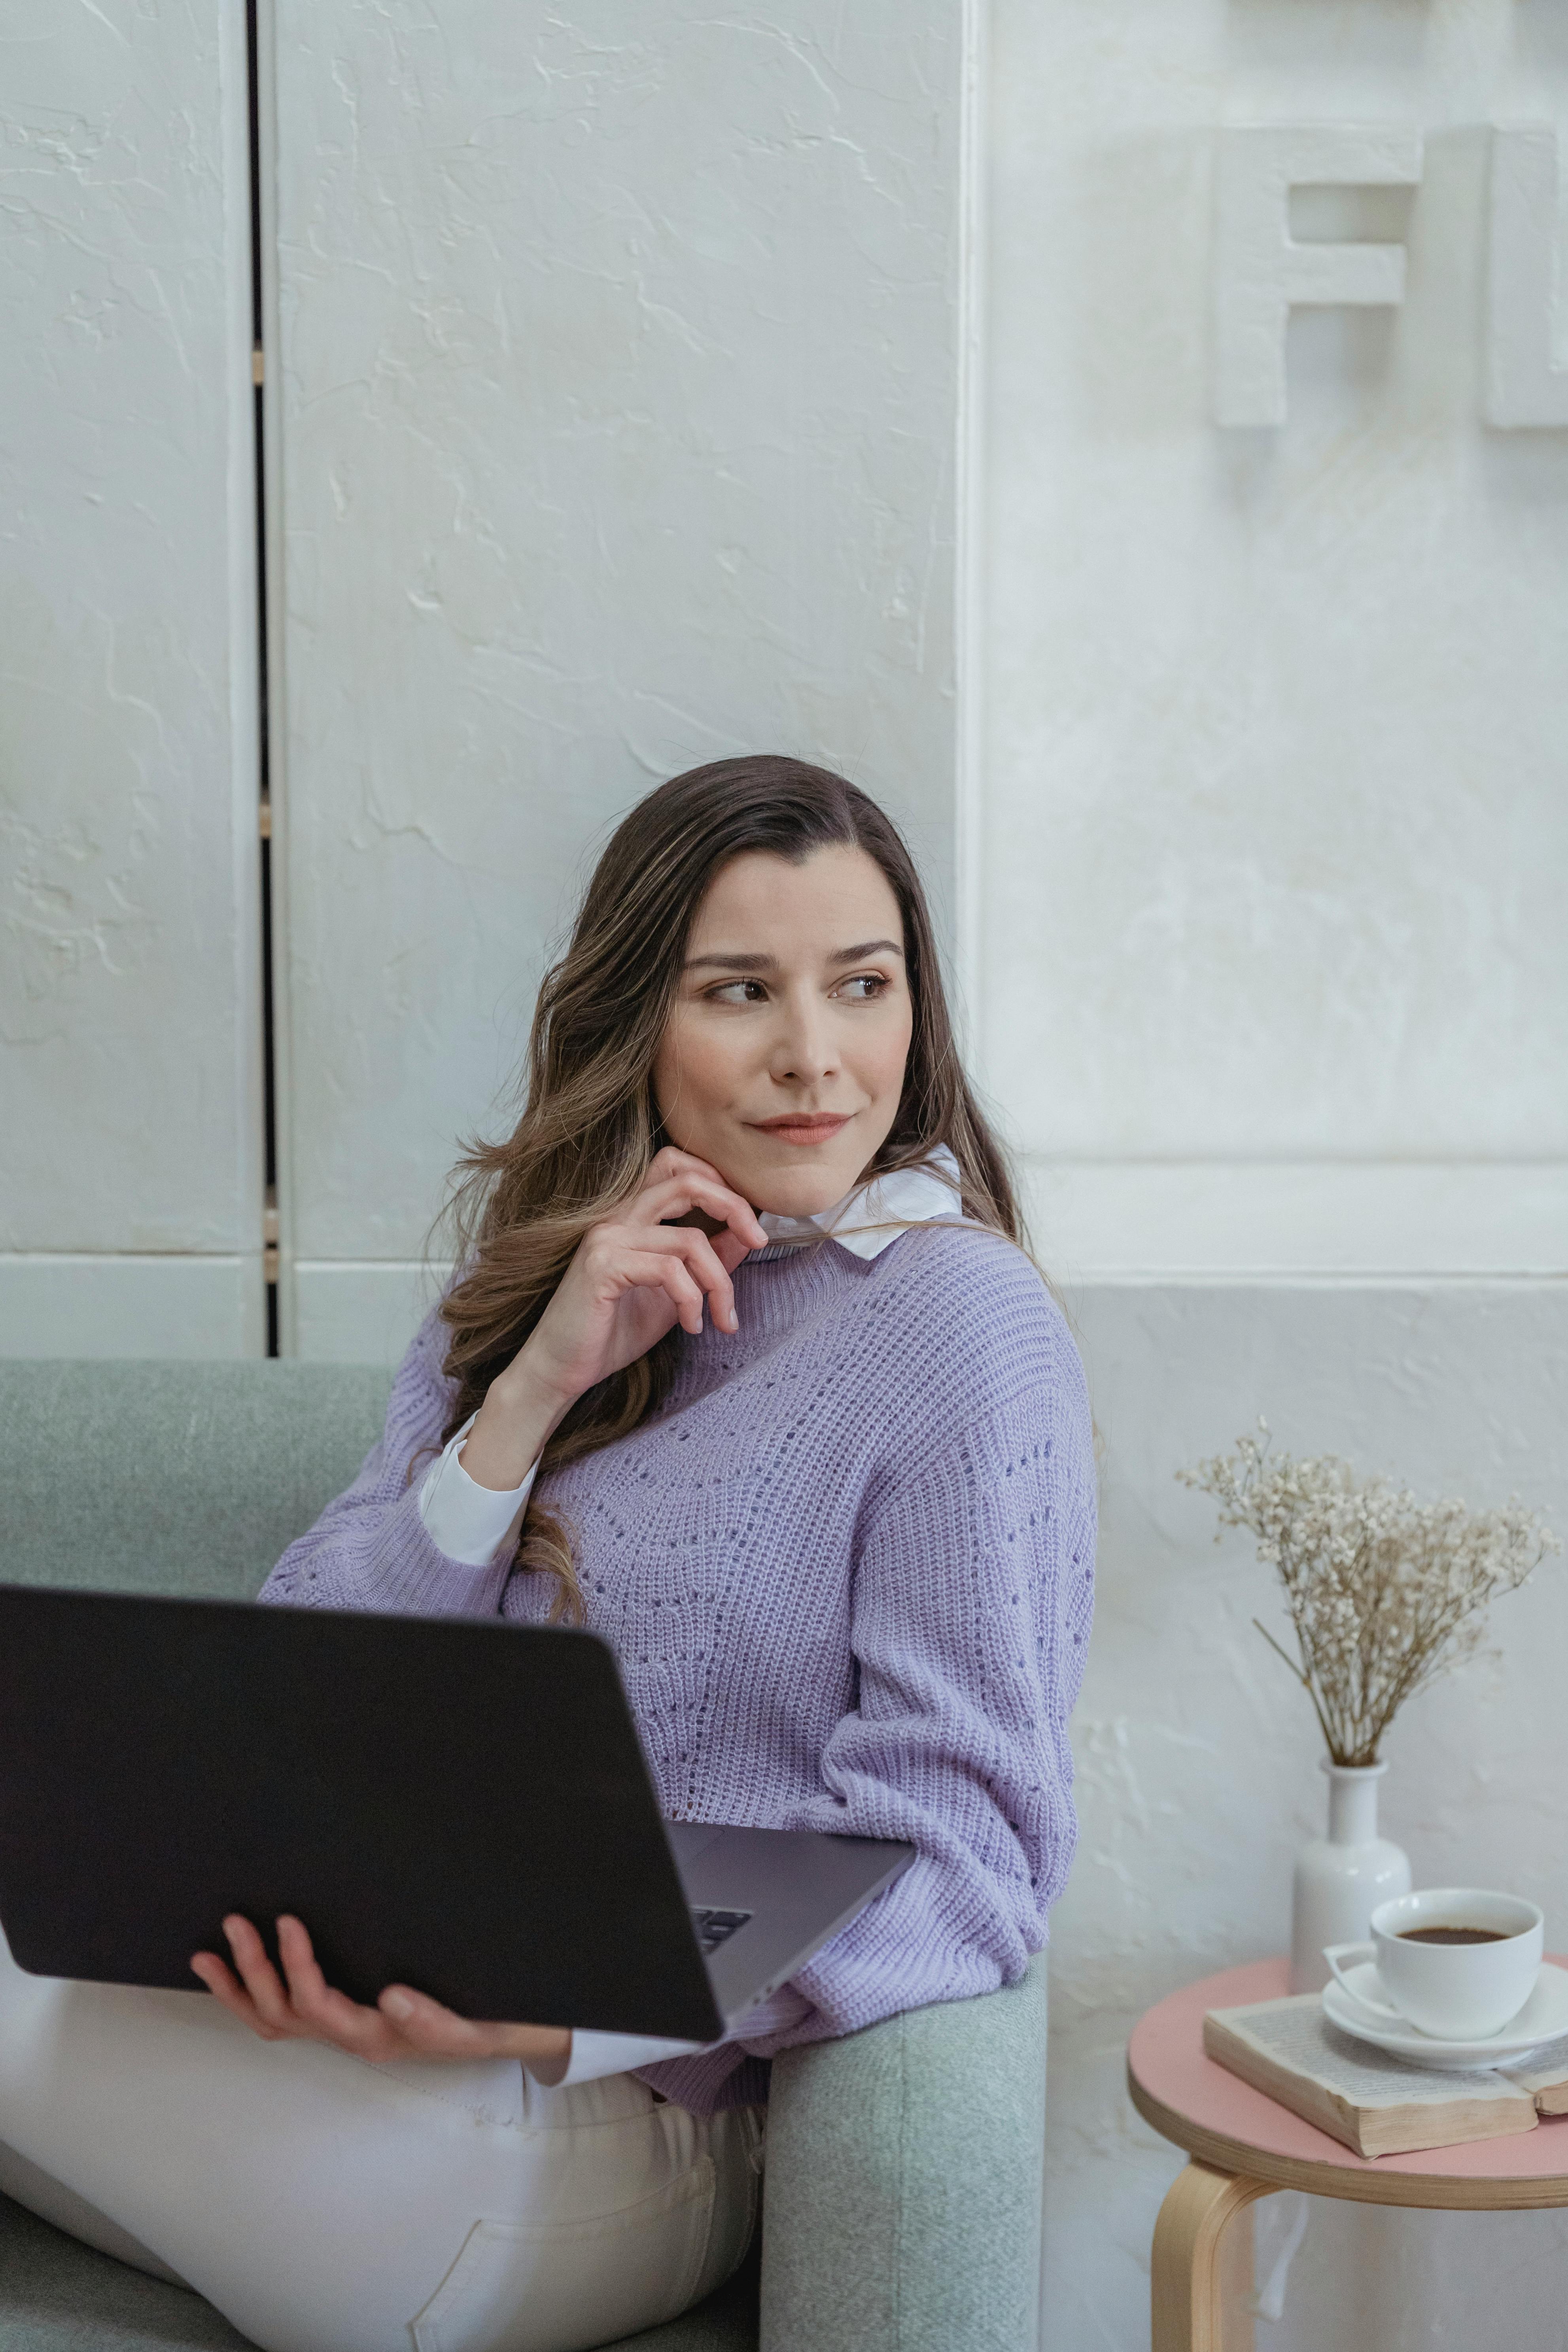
(1166, 2059)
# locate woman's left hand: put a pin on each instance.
(301, 2006)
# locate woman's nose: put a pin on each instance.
(803, 1050)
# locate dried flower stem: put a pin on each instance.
(1384, 1593)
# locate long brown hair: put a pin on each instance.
(590, 1123)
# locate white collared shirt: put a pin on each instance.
(869, 1219)
(470, 1523)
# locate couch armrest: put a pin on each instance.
(905, 2179)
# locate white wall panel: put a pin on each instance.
(97, 1303)
(1245, 1219)
(129, 1022)
(1275, 841)
(618, 421)
(362, 1310)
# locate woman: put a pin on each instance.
(745, 1370)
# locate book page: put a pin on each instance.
(1295, 2034)
(1545, 2069)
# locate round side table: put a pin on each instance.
(1243, 2146)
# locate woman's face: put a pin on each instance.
(784, 1060)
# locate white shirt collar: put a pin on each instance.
(868, 1219)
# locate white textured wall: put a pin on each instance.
(1274, 967)
(619, 357)
(1274, 980)
(130, 1018)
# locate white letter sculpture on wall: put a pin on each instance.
(1527, 381)
(1260, 271)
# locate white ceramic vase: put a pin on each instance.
(1342, 1878)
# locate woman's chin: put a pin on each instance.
(797, 1191)
(802, 1185)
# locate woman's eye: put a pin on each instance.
(739, 992)
(863, 987)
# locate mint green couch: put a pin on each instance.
(903, 2192)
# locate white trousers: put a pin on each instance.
(325, 2205)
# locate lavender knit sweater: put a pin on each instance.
(847, 1571)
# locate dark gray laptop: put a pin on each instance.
(457, 1804)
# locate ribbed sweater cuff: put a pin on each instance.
(409, 1574)
(710, 2081)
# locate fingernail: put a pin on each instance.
(398, 2004)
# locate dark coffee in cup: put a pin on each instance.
(1452, 1935)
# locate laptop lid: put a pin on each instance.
(457, 1804)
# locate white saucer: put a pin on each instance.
(1543, 2018)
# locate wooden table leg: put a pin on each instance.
(1202, 2275)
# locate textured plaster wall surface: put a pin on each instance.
(1197, 1763)
(1273, 977)
(1273, 962)
(130, 1029)
(619, 353)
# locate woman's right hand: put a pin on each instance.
(296, 2003)
(630, 1280)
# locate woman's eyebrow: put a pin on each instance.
(867, 948)
(770, 963)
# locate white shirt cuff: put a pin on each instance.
(466, 1521)
(595, 2054)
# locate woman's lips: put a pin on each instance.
(819, 1127)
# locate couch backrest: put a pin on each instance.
(173, 1477)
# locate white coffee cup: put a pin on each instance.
(1457, 1992)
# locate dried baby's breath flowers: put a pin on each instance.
(1384, 1593)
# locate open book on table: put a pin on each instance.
(1375, 2104)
